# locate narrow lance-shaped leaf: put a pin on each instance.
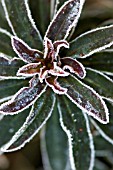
(20, 20)
(76, 125)
(101, 83)
(3, 21)
(106, 131)
(40, 113)
(9, 87)
(91, 42)
(23, 98)
(54, 144)
(41, 13)
(74, 66)
(102, 61)
(5, 43)
(10, 124)
(85, 98)
(9, 67)
(65, 19)
(27, 54)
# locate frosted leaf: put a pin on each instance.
(23, 98)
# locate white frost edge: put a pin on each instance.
(21, 41)
(9, 59)
(30, 18)
(74, 22)
(7, 16)
(98, 49)
(24, 67)
(45, 158)
(71, 68)
(53, 5)
(69, 139)
(57, 91)
(64, 44)
(101, 132)
(5, 147)
(105, 76)
(90, 113)
(5, 99)
(5, 32)
(13, 98)
(92, 160)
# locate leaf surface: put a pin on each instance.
(25, 97)
(106, 131)
(5, 43)
(101, 83)
(10, 124)
(64, 20)
(76, 125)
(9, 67)
(54, 144)
(85, 98)
(20, 20)
(102, 61)
(91, 42)
(41, 13)
(9, 87)
(40, 113)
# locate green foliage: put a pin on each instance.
(44, 85)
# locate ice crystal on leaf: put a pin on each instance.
(54, 63)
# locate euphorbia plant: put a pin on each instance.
(52, 83)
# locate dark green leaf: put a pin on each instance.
(41, 13)
(64, 20)
(19, 19)
(76, 125)
(10, 124)
(9, 67)
(106, 131)
(11, 86)
(91, 42)
(100, 61)
(40, 113)
(85, 98)
(5, 43)
(101, 83)
(3, 22)
(55, 144)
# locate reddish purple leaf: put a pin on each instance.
(52, 82)
(64, 20)
(30, 69)
(25, 52)
(74, 66)
(23, 98)
(85, 98)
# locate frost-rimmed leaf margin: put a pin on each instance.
(74, 23)
(73, 164)
(57, 132)
(106, 78)
(10, 102)
(30, 20)
(25, 46)
(101, 132)
(27, 123)
(91, 142)
(6, 62)
(82, 108)
(81, 55)
(6, 48)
